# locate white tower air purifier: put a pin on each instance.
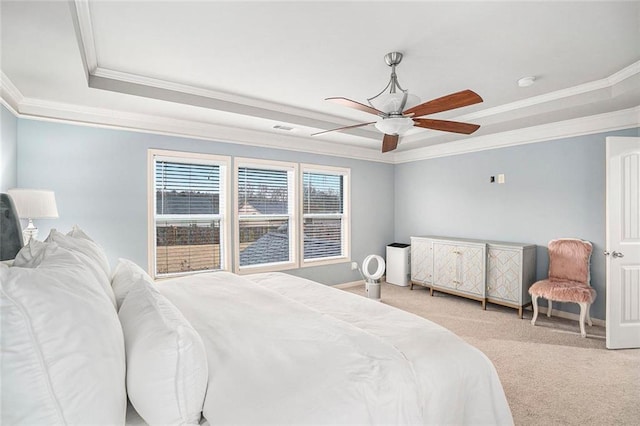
(398, 264)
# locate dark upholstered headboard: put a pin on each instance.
(10, 230)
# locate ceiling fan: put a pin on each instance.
(393, 119)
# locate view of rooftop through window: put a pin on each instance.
(264, 209)
(323, 206)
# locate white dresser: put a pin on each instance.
(487, 271)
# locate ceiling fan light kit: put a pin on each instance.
(398, 110)
(394, 125)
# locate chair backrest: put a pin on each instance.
(569, 260)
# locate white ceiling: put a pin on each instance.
(231, 70)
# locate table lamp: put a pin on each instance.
(33, 204)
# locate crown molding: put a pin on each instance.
(580, 89)
(11, 96)
(133, 84)
(81, 15)
(244, 101)
(624, 73)
(105, 118)
(30, 108)
(611, 121)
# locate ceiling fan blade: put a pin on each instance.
(389, 142)
(357, 105)
(446, 126)
(445, 103)
(343, 128)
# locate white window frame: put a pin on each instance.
(224, 216)
(292, 169)
(345, 216)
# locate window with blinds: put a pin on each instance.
(325, 228)
(189, 199)
(265, 225)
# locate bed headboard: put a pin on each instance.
(10, 229)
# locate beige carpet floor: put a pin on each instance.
(550, 374)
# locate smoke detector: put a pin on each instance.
(526, 81)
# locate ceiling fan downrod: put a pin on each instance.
(392, 59)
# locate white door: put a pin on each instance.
(623, 243)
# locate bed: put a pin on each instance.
(220, 348)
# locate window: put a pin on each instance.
(265, 222)
(188, 208)
(285, 215)
(325, 223)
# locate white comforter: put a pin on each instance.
(285, 350)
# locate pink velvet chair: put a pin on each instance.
(569, 278)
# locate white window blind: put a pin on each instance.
(265, 206)
(323, 211)
(189, 201)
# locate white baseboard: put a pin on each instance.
(357, 283)
(542, 310)
(349, 285)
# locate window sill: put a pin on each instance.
(323, 262)
(246, 270)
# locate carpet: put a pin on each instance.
(550, 374)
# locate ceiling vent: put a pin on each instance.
(283, 127)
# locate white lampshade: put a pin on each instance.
(34, 203)
(394, 125)
(392, 102)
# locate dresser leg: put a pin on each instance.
(520, 312)
(431, 291)
(484, 304)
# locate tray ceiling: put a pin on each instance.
(231, 71)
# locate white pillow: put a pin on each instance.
(31, 255)
(36, 252)
(124, 276)
(167, 369)
(76, 232)
(84, 246)
(62, 347)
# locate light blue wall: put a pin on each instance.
(553, 189)
(8, 149)
(100, 180)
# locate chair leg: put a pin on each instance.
(583, 313)
(534, 302)
(549, 307)
(589, 315)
